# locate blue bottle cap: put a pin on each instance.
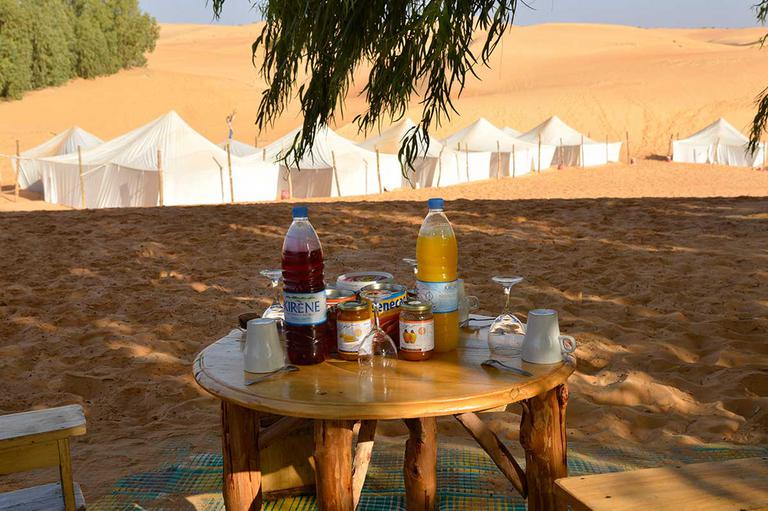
(435, 203)
(300, 212)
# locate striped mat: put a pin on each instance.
(467, 478)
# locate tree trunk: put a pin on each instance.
(542, 434)
(420, 468)
(240, 447)
(333, 459)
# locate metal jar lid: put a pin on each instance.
(416, 306)
(353, 306)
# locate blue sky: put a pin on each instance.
(644, 13)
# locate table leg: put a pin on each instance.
(542, 435)
(420, 468)
(333, 461)
(240, 447)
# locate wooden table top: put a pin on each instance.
(447, 384)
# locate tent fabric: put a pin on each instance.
(66, 142)
(340, 167)
(572, 148)
(718, 143)
(426, 165)
(124, 171)
(483, 137)
(511, 132)
(237, 148)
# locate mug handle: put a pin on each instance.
(568, 343)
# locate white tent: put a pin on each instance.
(490, 152)
(718, 143)
(66, 142)
(164, 162)
(428, 168)
(237, 148)
(573, 149)
(511, 132)
(335, 167)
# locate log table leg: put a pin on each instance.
(542, 434)
(420, 467)
(240, 446)
(333, 460)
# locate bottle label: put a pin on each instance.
(305, 308)
(444, 296)
(417, 336)
(350, 334)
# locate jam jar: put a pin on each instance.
(417, 331)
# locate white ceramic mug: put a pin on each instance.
(262, 350)
(543, 343)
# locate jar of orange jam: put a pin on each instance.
(417, 331)
(353, 323)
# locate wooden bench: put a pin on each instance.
(739, 485)
(40, 439)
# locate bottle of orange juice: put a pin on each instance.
(437, 274)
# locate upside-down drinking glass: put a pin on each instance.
(412, 292)
(505, 335)
(275, 310)
(377, 349)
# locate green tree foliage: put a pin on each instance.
(15, 50)
(413, 47)
(760, 122)
(47, 42)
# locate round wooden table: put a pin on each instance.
(339, 397)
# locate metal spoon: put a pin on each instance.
(497, 364)
(284, 369)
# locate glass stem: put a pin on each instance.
(376, 316)
(276, 294)
(508, 293)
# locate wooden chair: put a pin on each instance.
(738, 485)
(40, 439)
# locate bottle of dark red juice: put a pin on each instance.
(306, 327)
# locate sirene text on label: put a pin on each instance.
(305, 308)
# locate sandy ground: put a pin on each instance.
(666, 294)
(667, 298)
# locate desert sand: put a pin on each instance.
(658, 269)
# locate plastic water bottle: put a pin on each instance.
(306, 328)
(437, 274)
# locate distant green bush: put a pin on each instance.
(47, 42)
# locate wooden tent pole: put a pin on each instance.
(466, 152)
(160, 180)
(80, 172)
(538, 164)
(264, 154)
(231, 181)
(18, 171)
(378, 169)
(717, 146)
(335, 174)
(629, 154)
(562, 157)
(439, 167)
(582, 152)
(498, 160)
(671, 146)
(514, 161)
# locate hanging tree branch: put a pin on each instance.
(760, 122)
(420, 48)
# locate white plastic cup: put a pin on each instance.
(262, 350)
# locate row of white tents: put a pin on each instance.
(167, 162)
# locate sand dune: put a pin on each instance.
(602, 79)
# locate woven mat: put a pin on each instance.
(467, 478)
